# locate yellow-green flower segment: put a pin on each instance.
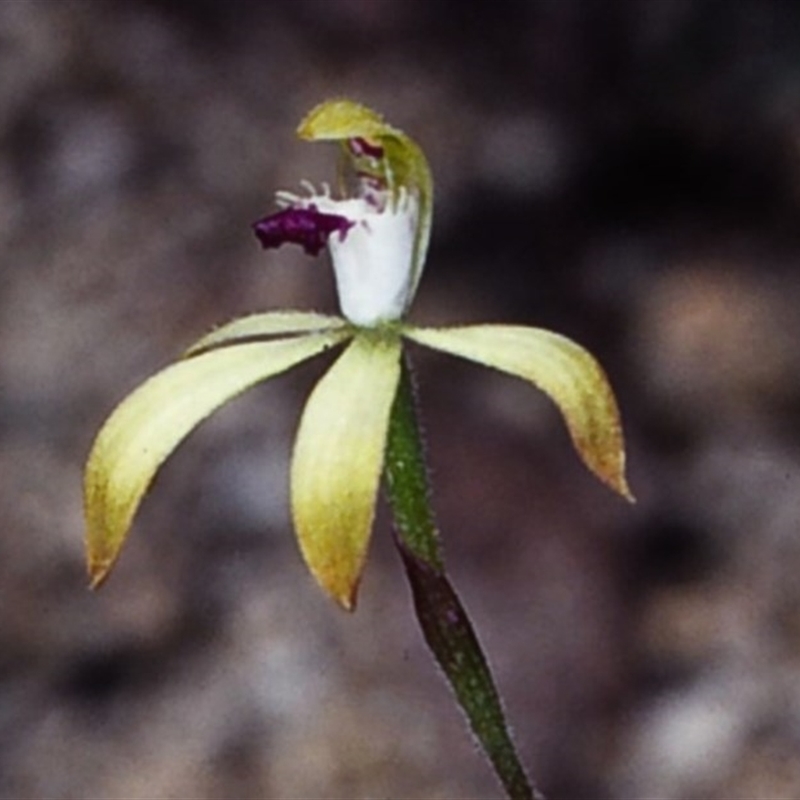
(339, 450)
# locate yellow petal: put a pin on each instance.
(150, 423)
(272, 323)
(566, 372)
(338, 458)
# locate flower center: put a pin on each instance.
(370, 236)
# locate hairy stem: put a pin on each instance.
(443, 619)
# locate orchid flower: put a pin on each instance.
(360, 421)
(376, 229)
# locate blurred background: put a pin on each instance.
(622, 171)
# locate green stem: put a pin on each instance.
(443, 619)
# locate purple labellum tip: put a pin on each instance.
(307, 227)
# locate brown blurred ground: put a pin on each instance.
(622, 171)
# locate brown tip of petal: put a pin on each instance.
(341, 589)
(98, 572)
(346, 598)
(619, 482)
(607, 463)
(622, 488)
(347, 603)
(613, 475)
